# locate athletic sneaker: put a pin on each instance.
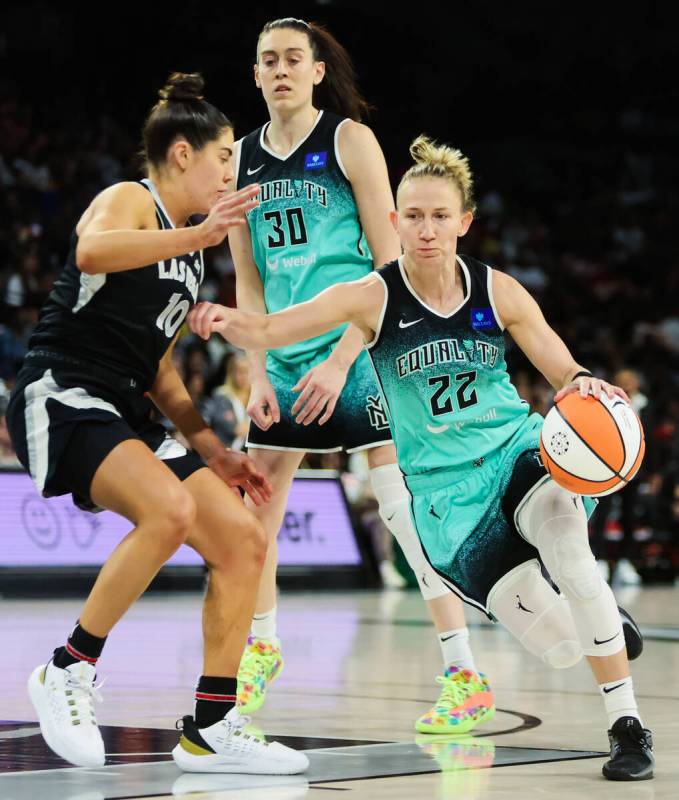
(226, 747)
(634, 641)
(260, 665)
(466, 701)
(63, 700)
(631, 752)
(626, 574)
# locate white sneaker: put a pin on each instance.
(391, 577)
(62, 699)
(626, 574)
(604, 569)
(226, 747)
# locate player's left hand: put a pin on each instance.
(237, 470)
(320, 389)
(588, 384)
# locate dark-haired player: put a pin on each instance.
(79, 420)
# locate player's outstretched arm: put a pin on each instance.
(117, 232)
(358, 302)
(525, 322)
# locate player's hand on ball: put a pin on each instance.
(588, 384)
(228, 212)
(237, 470)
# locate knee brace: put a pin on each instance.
(526, 604)
(393, 498)
(554, 521)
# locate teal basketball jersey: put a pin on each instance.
(450, 401)
(306, 233)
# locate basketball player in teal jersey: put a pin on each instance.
(484, 507)
(324, 218)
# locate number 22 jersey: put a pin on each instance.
(306, 233)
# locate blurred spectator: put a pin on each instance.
(226, 410)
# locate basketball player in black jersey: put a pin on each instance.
(79, 420)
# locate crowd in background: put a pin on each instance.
(593, 242)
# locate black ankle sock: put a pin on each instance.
(81, 646)
(215, 697)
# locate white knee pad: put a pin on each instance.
(554, 521)
(526, 604)
(393, 498)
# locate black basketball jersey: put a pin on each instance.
(123, 321)
(444, 376)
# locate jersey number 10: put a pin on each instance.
(173, 315)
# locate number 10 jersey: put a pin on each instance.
(306, 233)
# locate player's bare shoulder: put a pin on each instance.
(128, 200)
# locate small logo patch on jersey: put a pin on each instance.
(316, 160)
(252, 171)
(378, 419)
(482, 318)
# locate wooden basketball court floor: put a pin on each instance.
(359, 669)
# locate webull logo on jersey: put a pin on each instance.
(290, 261)
(179, 270)
(446, 351)
(482, 318)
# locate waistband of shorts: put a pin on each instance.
(42, 357)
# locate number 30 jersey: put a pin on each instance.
(306, 234)
(444, 377)
(124, 321)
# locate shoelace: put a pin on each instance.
(631, 740)
(452, 692)
(236, 728)
(82, 693)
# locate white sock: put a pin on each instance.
(264, 624)
(619, 700)
(456, 650)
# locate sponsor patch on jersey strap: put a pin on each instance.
(316, 160)
(482, 318)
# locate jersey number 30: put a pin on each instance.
(444, 405)
(296, 229)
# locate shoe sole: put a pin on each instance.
(468, 724)
(614, 777)
(634, 641)
(37, 694)
(256, 704)
(218, 763)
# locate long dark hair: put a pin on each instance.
(338, 91)
(183, 112)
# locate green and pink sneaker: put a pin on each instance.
(466, 701)
(260, 665)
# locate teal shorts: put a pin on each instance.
(358, 422)
(466, 521)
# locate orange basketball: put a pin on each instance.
(592, 447)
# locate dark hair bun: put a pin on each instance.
(183, 86)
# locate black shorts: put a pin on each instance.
(358, 423)
(64, 421)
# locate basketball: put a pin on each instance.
(592, 446)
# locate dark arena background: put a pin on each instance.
(569, 116)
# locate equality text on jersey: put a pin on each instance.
(292, 189)
(446, 351)
(176, 269)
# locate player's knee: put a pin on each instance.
(255, 541)
(571, 564)
(564, 654)
(174, 521)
